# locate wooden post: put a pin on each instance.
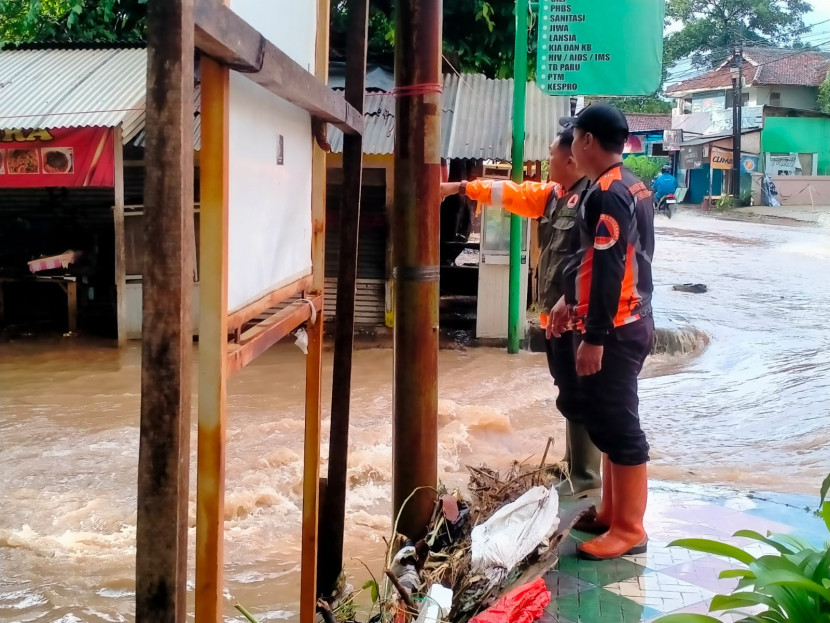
(167, 337)
(331, 537)
(314, 361)
(120, 240)
(415, 244)
(213, 343)
(72, 306)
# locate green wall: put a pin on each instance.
(801, 135)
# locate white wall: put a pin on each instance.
(291, 25)
(803, 98)
(269, 238)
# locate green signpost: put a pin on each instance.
(600, 47)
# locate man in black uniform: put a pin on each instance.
(608, 300)
(554, 205)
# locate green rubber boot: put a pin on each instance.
(584, 460)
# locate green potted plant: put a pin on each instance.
(790, 586)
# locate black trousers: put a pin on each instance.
(611, 400)
(562, 366)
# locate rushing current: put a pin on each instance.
(752, 411)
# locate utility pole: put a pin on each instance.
(517, 155)
(737, 120)
(415, 254)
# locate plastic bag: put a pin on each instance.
(301, 340)
(513, 532)
(523, 605)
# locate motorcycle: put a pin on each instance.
(666, 205)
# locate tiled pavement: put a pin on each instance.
(669, 579)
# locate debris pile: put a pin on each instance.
(484, 554)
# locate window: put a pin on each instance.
(774, 99)
(657, 150)
(730, 97)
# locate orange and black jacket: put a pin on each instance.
(608, 279)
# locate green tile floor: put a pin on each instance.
(667, 579)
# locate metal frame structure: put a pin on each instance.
(176, 30)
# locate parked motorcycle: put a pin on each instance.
(666, 205)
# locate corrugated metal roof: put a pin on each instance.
(476, 122)
(73, 88)
(141, 135)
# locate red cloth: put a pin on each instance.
(523, 605)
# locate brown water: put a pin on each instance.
(751, 411)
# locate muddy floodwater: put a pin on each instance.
(751, 411)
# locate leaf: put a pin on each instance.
(794, 542)
(708, 546)
(751, 534)
(825, 514)
(373, 587)
(792, 581)
(739, 600)
(825, 489)
(736, 573)
(768, 563)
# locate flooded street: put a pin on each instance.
(751, 411)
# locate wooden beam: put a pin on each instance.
(238, 318)
(314, 360)
(213, 338)
(263, 336)
(120, 241)
(167, 336)
(331, 532)
(225, 36)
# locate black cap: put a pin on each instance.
(604, 121)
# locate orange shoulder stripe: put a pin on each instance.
(614, 175)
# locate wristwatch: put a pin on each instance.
(462, 188)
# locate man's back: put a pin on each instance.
(664, 185)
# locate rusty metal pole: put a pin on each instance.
(314, 361)
(415, 242)
(167, 335)
(333, 516)
(213, 342)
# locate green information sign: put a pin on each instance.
(600, 47)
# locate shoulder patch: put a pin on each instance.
(608, 232)
(573, 200)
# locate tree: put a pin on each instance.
(648, 104)
(824, 96)
(72, 21)
(711, 27)
(478, 35)
(645, 167)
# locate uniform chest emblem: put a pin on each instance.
(573, 201)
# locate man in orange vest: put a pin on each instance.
(555, 206)
(608, 291)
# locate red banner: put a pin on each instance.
(56, 157)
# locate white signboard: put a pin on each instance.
(270, 228)
(783, 164)
(752, 117)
